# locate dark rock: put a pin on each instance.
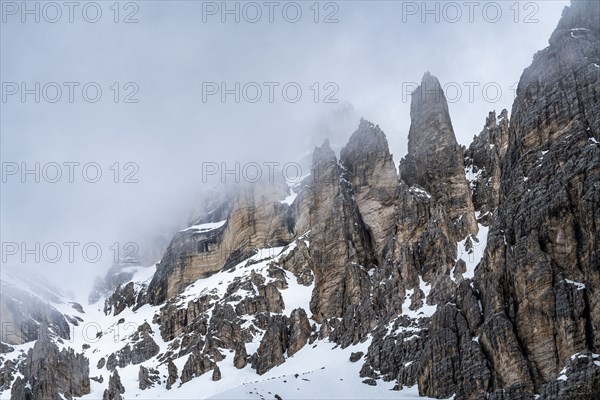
(50, 372)
(115, 388)
(216, 375)
(354, 357)
(339, 237)
(240, 358)
(148, 377)
(172, 378)
(539, 280)
(435, 160)
(120, 299)
(143, 349)
(299, 331)
(26, 318)
(271, 351)
(196, 365)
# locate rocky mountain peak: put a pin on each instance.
(324, 154)
(435, 160)
(368, 138)
(431, 134)
(370, 170)
(580, 18)
(429, 106)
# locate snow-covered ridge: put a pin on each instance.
(320, 369)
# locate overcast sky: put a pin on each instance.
(174, 58)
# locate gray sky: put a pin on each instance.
(371, 58)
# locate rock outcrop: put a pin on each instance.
(172, 377)
(539, 278)
(115, 388)
(256, 218)
(338, 238)
(435, 159)
(49, 373)
(143, 348)
(148, 377)
(370, 169)
(483, 164)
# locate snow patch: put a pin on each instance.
(579, 285)
(289, 199)
(419, 192)
(206, 227)
(472, 176)
(472, 256)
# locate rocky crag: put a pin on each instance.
(467, 272)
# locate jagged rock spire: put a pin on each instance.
(435, 160)
(371, 171)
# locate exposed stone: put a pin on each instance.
(115, 388)
(142, 349)
(371, 171)
(256, 218)
(240, 358)
(216, 375)
(196, 365)
(49, 372)
(121, 298)
(271, 351)
(435, 160)
(384, 256)
(338, 236)
(148, 377)
(299, 331)
(539, 280)
(172, 374)
(25, 318)
(483, 163)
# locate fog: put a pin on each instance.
(162, 114)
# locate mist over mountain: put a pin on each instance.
(305, 249)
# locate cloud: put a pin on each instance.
(166, 60)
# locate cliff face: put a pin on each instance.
(540, 275)
(369, 166)
(483, 164)
(472, 273)
(254, 218)
(435, 160)
(338, 236)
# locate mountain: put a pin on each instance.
(465, 273)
